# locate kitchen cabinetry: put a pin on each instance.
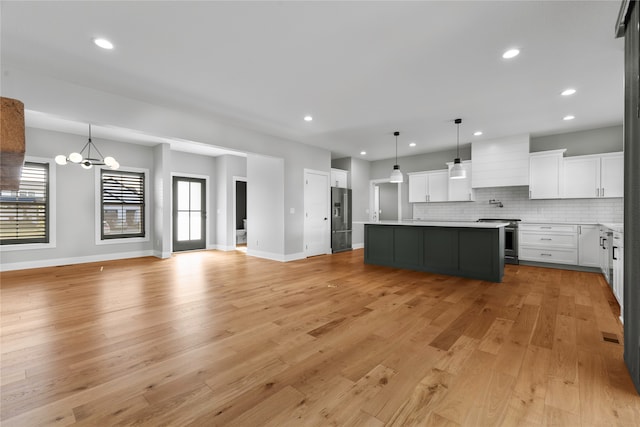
(500, 162)
(545, 174)
(460, 190)
(588, 245)
(429, 186)
(553, 243)
(598, 175)
(618, 269)
(339, 178)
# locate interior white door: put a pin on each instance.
(316, 213)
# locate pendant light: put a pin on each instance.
(457, 172)
(396, 174)
(85, 160)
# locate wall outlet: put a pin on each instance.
(292, 210)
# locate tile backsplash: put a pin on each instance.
(516, 204)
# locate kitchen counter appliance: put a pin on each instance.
(510, 238)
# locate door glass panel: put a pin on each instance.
(195, 196)
(183, 226)
(183, 195)
(195, 226)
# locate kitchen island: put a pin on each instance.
(466, 249)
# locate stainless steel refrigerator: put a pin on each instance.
(340, 219)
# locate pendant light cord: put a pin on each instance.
(458, 143)
(396, 148)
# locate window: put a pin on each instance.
(24, 214)
(122, 204)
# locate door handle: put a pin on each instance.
(613, 253)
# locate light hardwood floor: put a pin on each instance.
(213, 338)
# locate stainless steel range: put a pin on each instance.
(510, 238)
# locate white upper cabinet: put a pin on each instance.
(339, 178)
(545, 173)
(418, 187)
(500, 162)
(438, 186)
(428, 186)
(460, 190)
(600, 175)
(612, 175)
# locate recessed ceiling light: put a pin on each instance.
(103, 43)
(569, 117)
(477, 133)
(511, 53)
(568, 92)
(363, 153)
(308, 118)
(412, 144)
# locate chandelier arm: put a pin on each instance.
(96, 148)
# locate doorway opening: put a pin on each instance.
(189, 214)
(386, 200)
(240, 213)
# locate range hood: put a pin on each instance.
(12, 143)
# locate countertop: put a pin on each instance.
(458, 224)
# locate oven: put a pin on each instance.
(510, 238)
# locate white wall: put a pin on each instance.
(75, 193)
(65, 99)
(226, 168)
(265, 207)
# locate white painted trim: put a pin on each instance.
(51, 210)
(296, 256)
(76, 260)
(225, 248)
(162, 255)
(98, 206)
(357, 246)
(206, 178)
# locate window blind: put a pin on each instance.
(24, 216)
(123, 201)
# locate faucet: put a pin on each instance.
(496, 202)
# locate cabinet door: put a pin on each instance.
(438, 186)
(581, 177)
(418, 188)
(338, 178)
(460, 189)
(589, 245)
(544, 176)
(612, 176)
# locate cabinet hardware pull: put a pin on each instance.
(545, 254)
(543, 238)
(546, 228)
(597, 192)
(529, 193)
(613, 253)
(579, 229)
(602, 192)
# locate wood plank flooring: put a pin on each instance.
(218, 338)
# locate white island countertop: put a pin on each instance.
(458, 224)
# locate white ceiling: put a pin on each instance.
(361, 69)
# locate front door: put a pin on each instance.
(189, 213)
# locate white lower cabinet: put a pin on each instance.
(589, 245)
(553, 243)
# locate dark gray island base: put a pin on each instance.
(465, 251)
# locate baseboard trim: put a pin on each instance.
(224, 248)
(162, 255)
(294, 257)
(561, 266)
(357, 246)
(55, 262)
